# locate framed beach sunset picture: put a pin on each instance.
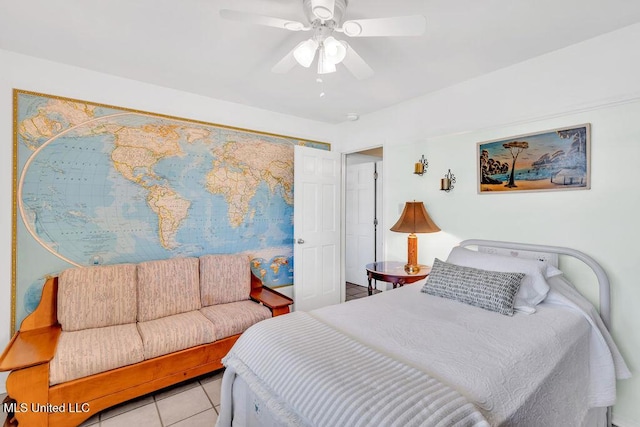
(556, 159)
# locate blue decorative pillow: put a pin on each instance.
(490, 290)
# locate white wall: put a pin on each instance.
(593, 82)
(23, 72)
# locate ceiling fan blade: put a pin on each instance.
(269, 21)
(414, 25)
(287, 63)
(355, 64)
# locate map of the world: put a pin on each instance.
(99, 184)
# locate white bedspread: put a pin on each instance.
(544, 369)
(524, 370)
(309, 374)
(605, 361)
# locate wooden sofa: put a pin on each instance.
(61, 368)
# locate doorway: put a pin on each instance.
(363, 215)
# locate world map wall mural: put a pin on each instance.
(97, 184)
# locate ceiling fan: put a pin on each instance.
(325, 17)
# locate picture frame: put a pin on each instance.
(551, 160)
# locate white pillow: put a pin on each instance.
(533, 289)
(551, 271)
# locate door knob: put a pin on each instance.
(300, 241)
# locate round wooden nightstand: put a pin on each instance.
(393, 272)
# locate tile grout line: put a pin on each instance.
(155, 402)
(190, 416)
(209, 397)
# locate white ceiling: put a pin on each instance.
(185, 45)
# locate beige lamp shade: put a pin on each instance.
(414, 219)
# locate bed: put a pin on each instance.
(497, 337)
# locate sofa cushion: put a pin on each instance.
(235, 317)
(167, 287)
(174, 333)
(90, 351)
(224, 278)
(95, 297)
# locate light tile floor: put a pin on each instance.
(193, 403)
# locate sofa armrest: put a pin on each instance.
(30, 348)
(275, 301)
(46, 313)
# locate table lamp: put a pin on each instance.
(414, 219)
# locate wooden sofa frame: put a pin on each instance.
(31, 349)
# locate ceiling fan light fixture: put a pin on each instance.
(334, 51)
(325, 66)
(305, 52)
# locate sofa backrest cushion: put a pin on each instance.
(224, 278)
(167, 287)
(95, 297)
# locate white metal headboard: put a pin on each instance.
(550, 254)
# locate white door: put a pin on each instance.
(316, 228)
(359, 221)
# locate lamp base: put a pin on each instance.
(412, 268)
(412, 255)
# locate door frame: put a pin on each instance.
(343, 219)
